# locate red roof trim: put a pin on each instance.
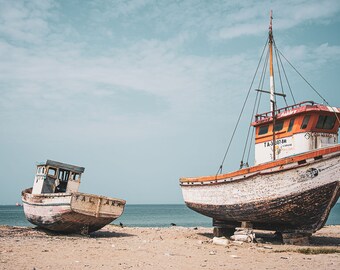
(290, 111)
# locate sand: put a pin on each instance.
(159, 248)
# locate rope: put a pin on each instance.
(278, 69)
(260, 86)
(284, 72)
(263, 74)
(261, 83)
(257, 102)
(246, 144)
(336, 115)
(239, 117)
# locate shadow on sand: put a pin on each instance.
(41, 232)
(96, 234)
(109, 234)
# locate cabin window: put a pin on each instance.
(325, 122)
(291, 124)
(63, 175)
(305, 122)
(40, 170)
(75, 176)
(278, 126)
(263, 130)
(52, 171)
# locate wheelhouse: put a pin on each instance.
(299, 128)
(56, 177)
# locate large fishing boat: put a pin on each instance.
(54, 202)
(295, 180)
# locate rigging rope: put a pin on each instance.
(284, 72)
(263, 74)
(278, 69)
(257, 102)
(336, 115)
(261, 83)
(238, 120)
(246, 144)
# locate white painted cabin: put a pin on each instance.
(56, 177)
(299, 128)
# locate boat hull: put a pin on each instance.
(71, 213)
(293, 197)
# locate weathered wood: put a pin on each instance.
(70, 213)
(296, 238)
(64, 166)
(277, 165)
(54, 202)
(221, 228)
(292, 199)
(219, 232)
(296, 177)
(248, 238)
(244, 225)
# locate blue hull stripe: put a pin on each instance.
(47, 204)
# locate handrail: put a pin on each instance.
(277, 111)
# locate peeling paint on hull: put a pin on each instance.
(71, 213)
(70, 222)
(294, 197)
(295, 212)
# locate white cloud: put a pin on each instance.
(312, 58)
(59, 69)
(155, 66)
(251, 20)
(162, 76)
(25, 20)
(151, 67)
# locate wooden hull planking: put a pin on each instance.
(296, 197)
(71, 213)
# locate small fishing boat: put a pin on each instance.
(295, 180)
(54, 202)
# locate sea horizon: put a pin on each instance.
(145, 215)
(133, 204)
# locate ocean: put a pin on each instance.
(145, 215)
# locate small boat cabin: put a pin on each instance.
(298, 128)
(56, 177)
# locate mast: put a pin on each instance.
(271, 72)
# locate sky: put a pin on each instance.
(144, 92)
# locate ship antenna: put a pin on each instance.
(271, 70)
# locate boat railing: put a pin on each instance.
(267, 115)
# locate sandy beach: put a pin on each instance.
(160, 248)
